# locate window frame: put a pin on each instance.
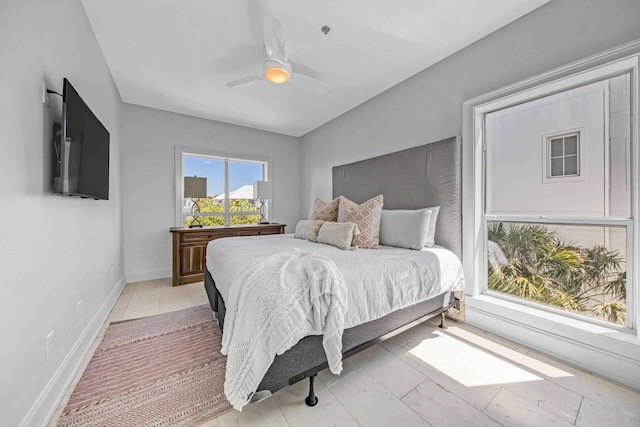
(528, 95)
(599, 67)
(181, 151)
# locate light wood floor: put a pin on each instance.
(423, 377)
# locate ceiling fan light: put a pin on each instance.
(276, 75)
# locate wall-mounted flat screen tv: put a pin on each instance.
(81, 148)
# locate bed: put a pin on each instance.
(428, 175)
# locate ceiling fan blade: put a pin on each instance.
(246, 81)
(256, 10)
(245, 58)
(309, 83)
(274, 39)
(304, 69)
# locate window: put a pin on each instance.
(517, 226)
(229, 189)
(563, 155)
(564, 250)
(559, 245)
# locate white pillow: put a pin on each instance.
(338, 234)
(308, 229)
(431, 231)
(404, 228)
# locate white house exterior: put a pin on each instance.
(564, 155)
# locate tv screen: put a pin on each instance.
(81, 150)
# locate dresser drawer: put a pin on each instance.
(258, 232)
(204, 236)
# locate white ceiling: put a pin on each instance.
(178, 55)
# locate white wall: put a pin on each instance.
(515, 161)
(428, 106)
(620, 134)
(55, 250)
(516, 155)
(148, 171)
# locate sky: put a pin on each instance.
(240, 173)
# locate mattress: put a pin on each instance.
(379, 281)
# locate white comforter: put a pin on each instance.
(273, 303)
(379, 281)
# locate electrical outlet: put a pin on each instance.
(78, 306)
(49, 345)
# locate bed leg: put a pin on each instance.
(443, 321)
(311, 400)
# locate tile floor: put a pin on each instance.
(423, 377)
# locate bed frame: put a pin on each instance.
(428, 175)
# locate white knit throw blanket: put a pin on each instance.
(273, 303)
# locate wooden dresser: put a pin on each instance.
(190, 247)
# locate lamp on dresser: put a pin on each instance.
(195, 188)
(262, 190)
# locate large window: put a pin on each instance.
(563, 245)
(229, 190)
(552, 261)
(552, 200)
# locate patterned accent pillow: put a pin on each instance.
(325, 211)
(308, 229)
(367, 218)
(338, 234)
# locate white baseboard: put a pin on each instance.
(47, 402)
(148, 275)
(595, 352)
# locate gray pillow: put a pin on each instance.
(431, 231)
(405, 228)
(338, 234)
(308, 229)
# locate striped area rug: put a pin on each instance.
(164, 370)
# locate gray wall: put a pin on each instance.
(428, 106)
(55, 251)
(148, 170)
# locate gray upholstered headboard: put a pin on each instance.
(428, 175)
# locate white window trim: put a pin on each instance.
(607, 351)
(546, 140)
(179, 151)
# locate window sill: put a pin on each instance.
(524, 313)
(610, 352)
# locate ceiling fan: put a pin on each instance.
(277, 68)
